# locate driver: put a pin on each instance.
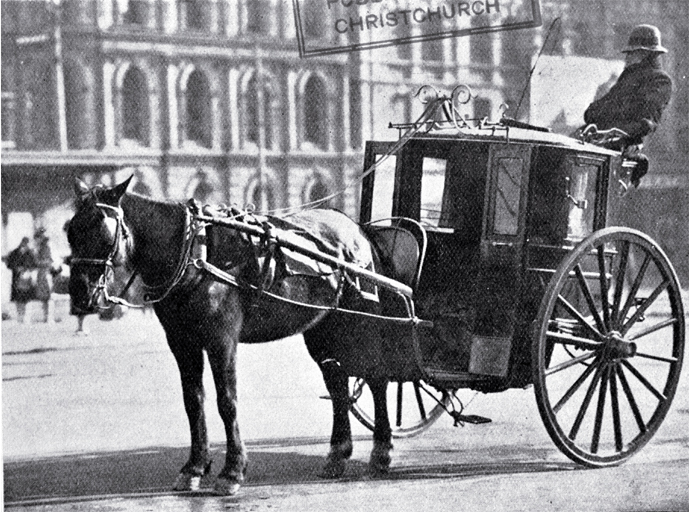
(636, 102)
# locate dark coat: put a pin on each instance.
(44, 262)
(18, 261)
(635, 103)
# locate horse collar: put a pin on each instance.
(194, 240)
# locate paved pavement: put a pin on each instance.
(97, 423)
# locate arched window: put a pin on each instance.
(198, 109)
(78, 109)
(401, 109)
(315, 113)
(136, 12)
(8, 115)
(135, 106)
(316, 191)
(252, 121)
(204, 188)
(261, 195)
(39, 104)
(482, 108)
(403, 31)
(432, 50)
(141, 188)
(314, 18)
(259, 15)
(481, 52)
(194, 14)
(253, 105)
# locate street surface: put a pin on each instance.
(97, 423)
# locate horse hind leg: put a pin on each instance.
(379, 463)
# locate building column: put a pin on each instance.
(108, 105)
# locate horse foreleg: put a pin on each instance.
(191, 370)
(223, 363)
(337, 383)
(379, 462)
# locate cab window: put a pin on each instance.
(433, 193)
(383, 187)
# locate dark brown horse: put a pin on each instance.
(200, 311)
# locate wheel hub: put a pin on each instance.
(617, 348)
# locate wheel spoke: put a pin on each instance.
(574, 387)
(653, 328)
(614, 400)
(578, 316)
(644, 381)
(607, 347)
(576, 341)
(399, 403)
(585, 404)
(589, 297)
(670, 360)
(630, 398)
(619, 283)
(603, 286)
(642, 309)
(635, 288)
(602, 391)
(569, 363)
(419, 400)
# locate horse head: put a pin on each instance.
(99, 241)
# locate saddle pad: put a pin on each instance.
(327, 231)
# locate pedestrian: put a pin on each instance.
(81, 317)
(22, 262)
(44, 279)
(636, 102)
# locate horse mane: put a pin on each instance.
(150, 205)
(158, 229)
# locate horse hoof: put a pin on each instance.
(377, 469)
(187, 482)
(334, 468)
(379, 464)
(225, 487)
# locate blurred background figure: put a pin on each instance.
(22, 262)
(44, 278)
(62, 286)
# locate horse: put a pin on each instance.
(116, 229)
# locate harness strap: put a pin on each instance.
(202, 264)
(410, 319)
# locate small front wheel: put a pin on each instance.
(608, 347)
(412, 406)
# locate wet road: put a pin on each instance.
(97, 423)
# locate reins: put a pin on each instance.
(121, 232)
(193, 253)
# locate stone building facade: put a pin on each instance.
(210, 99)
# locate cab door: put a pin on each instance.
(499, 273)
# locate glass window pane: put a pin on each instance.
(508, 194)
(432, 186)
(581, 192)
(383, 188)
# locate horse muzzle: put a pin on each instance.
(87, 295)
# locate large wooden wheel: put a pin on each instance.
(608, 347)
(412, 406)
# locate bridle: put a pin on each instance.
(193, 230)
(121, 233)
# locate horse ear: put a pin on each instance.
(81, 189)
(114, 195)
